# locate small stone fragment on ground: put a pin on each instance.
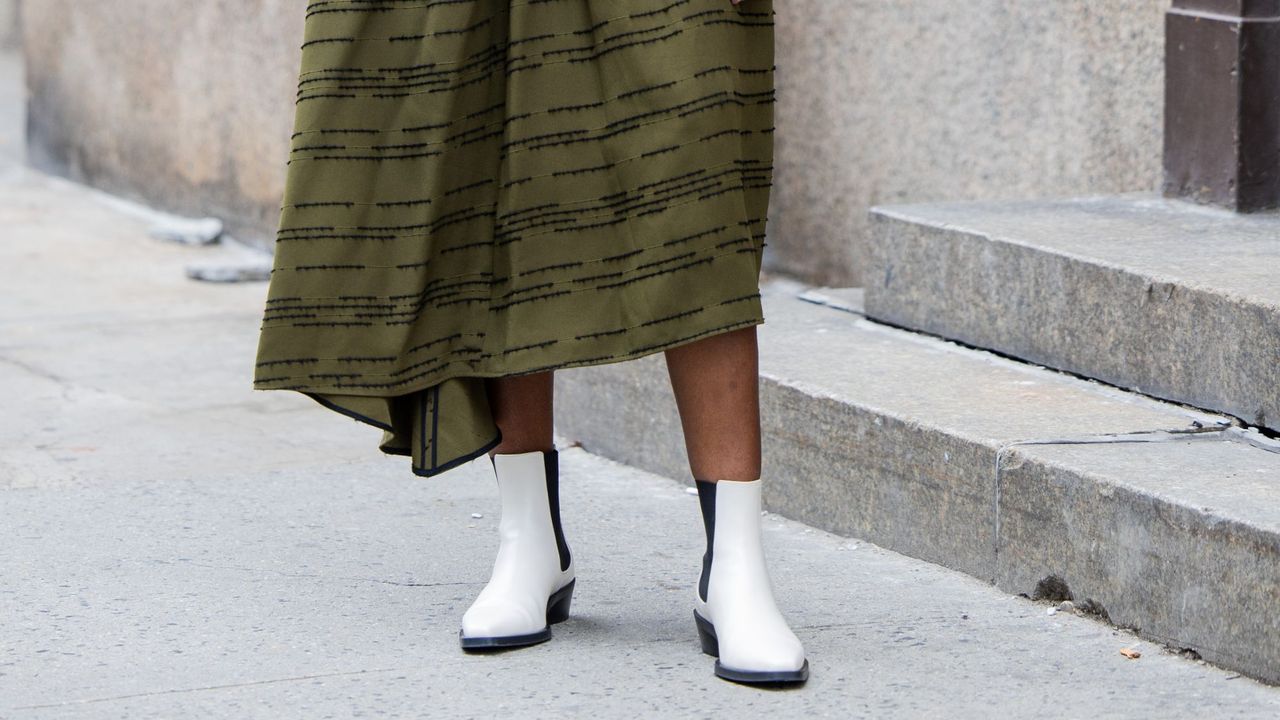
(231, 273)
(187, 231)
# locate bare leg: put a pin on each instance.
(522, 408)
(717, 387)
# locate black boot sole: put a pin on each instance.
(557, 612)
(711, 646)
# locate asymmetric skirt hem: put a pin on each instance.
(399, 440)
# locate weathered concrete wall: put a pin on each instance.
(189, 104)
(9, 37)
(186, 105)
(886, 101)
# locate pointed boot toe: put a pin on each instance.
(506, 624)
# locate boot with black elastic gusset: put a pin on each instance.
(532, 582)
(737, 619)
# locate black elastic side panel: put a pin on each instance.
(551, 461)
(707, 501)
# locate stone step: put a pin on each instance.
(1163, 297)
(1165, 518)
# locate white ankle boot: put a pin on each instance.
(532, 581)
(737, 618)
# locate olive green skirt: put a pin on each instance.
(481, 188)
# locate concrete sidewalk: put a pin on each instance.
(176, 545)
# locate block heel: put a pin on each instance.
(558, 604)
(706, 635)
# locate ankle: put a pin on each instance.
(746, 476)
(517, 447)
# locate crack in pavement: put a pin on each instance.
(283, 573)
(1196, 430)
(58, 380)
(179, 691)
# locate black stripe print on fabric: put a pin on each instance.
(574, 216)
(394, 152)
(495, 59)
(365, 6)
(631, 123)
(447, 296)
(642, 156)
(391, 301)
(575, 108)
(431, 288)
(637, 121)
(433, 366)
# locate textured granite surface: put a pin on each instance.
(922, 100)
(1166, 297)
(12, 123)
(1179, 540)
(187, 105)
(9, 34)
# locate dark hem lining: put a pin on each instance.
(420, 472)
(422, 425)
(349, 413)
(435, 426)
(429, 472)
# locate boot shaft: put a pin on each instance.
(529, 492)
(731, 518)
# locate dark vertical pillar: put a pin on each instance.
(1222, 103)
